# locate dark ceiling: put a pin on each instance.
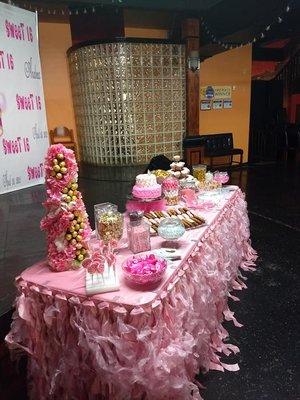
(229, 22)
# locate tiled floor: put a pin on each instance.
(268, 309)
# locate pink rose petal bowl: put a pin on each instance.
(144, 269)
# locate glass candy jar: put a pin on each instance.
(138, 232)
(199, 172)
(171, 229)
(108, 222)
(170, 187)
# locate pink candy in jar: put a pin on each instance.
(144, 269)
(170, 188)
(221, 177)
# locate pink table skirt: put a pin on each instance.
(90, 348)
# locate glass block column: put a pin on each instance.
(129, 101)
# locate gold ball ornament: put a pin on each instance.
(62, 164)
(60, 156)
(80, 257)
(74, 222)
(59, 176)
(65, 190)
(68, 236)
(74, 186)
(83, 251)
(56, 168)
(54, 161)
(78, 252)
(70, 192)
(80, 230)
(74, 234)
(82, 225)
(79, 219)
(77, 227)
(73, 241)
(74, 198)
(79, 238)
(68, 199)
(71, 229)
(79, 246)
(63, 170)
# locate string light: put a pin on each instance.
(254, 40)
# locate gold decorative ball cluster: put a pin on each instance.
(59, 168)
(74, 235)
(70, 192)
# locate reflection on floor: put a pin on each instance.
(267, 309)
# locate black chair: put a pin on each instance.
(220, 145)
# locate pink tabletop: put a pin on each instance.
(73, 282)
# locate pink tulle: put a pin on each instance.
(91, 348)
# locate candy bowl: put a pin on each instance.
(144, 269)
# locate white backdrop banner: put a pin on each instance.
(23, 126)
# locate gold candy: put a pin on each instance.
(59, 175)
(78, 246)
(68, 199)
(70, 192)
(65, 190)
(56, 168)
(73, 241)
(77, 227)
(63, 170)
(81, 225)
(110, 226)
(74, 234)
(55, 161)
(68, 236)
(79, 238)
(78, 252)
(62, 164)
(74, 198)
(83, 251)
(60, 156)
(74, 186)
(71, 229)
(80, 257)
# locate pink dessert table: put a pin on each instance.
(137, 344)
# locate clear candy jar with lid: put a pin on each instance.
(138, 232)
(109, 222)
(170, 187)
(171, 229)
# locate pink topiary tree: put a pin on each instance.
(66, 221)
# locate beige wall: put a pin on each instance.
(231, 68)
(55, 39)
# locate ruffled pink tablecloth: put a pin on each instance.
(130, 344)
